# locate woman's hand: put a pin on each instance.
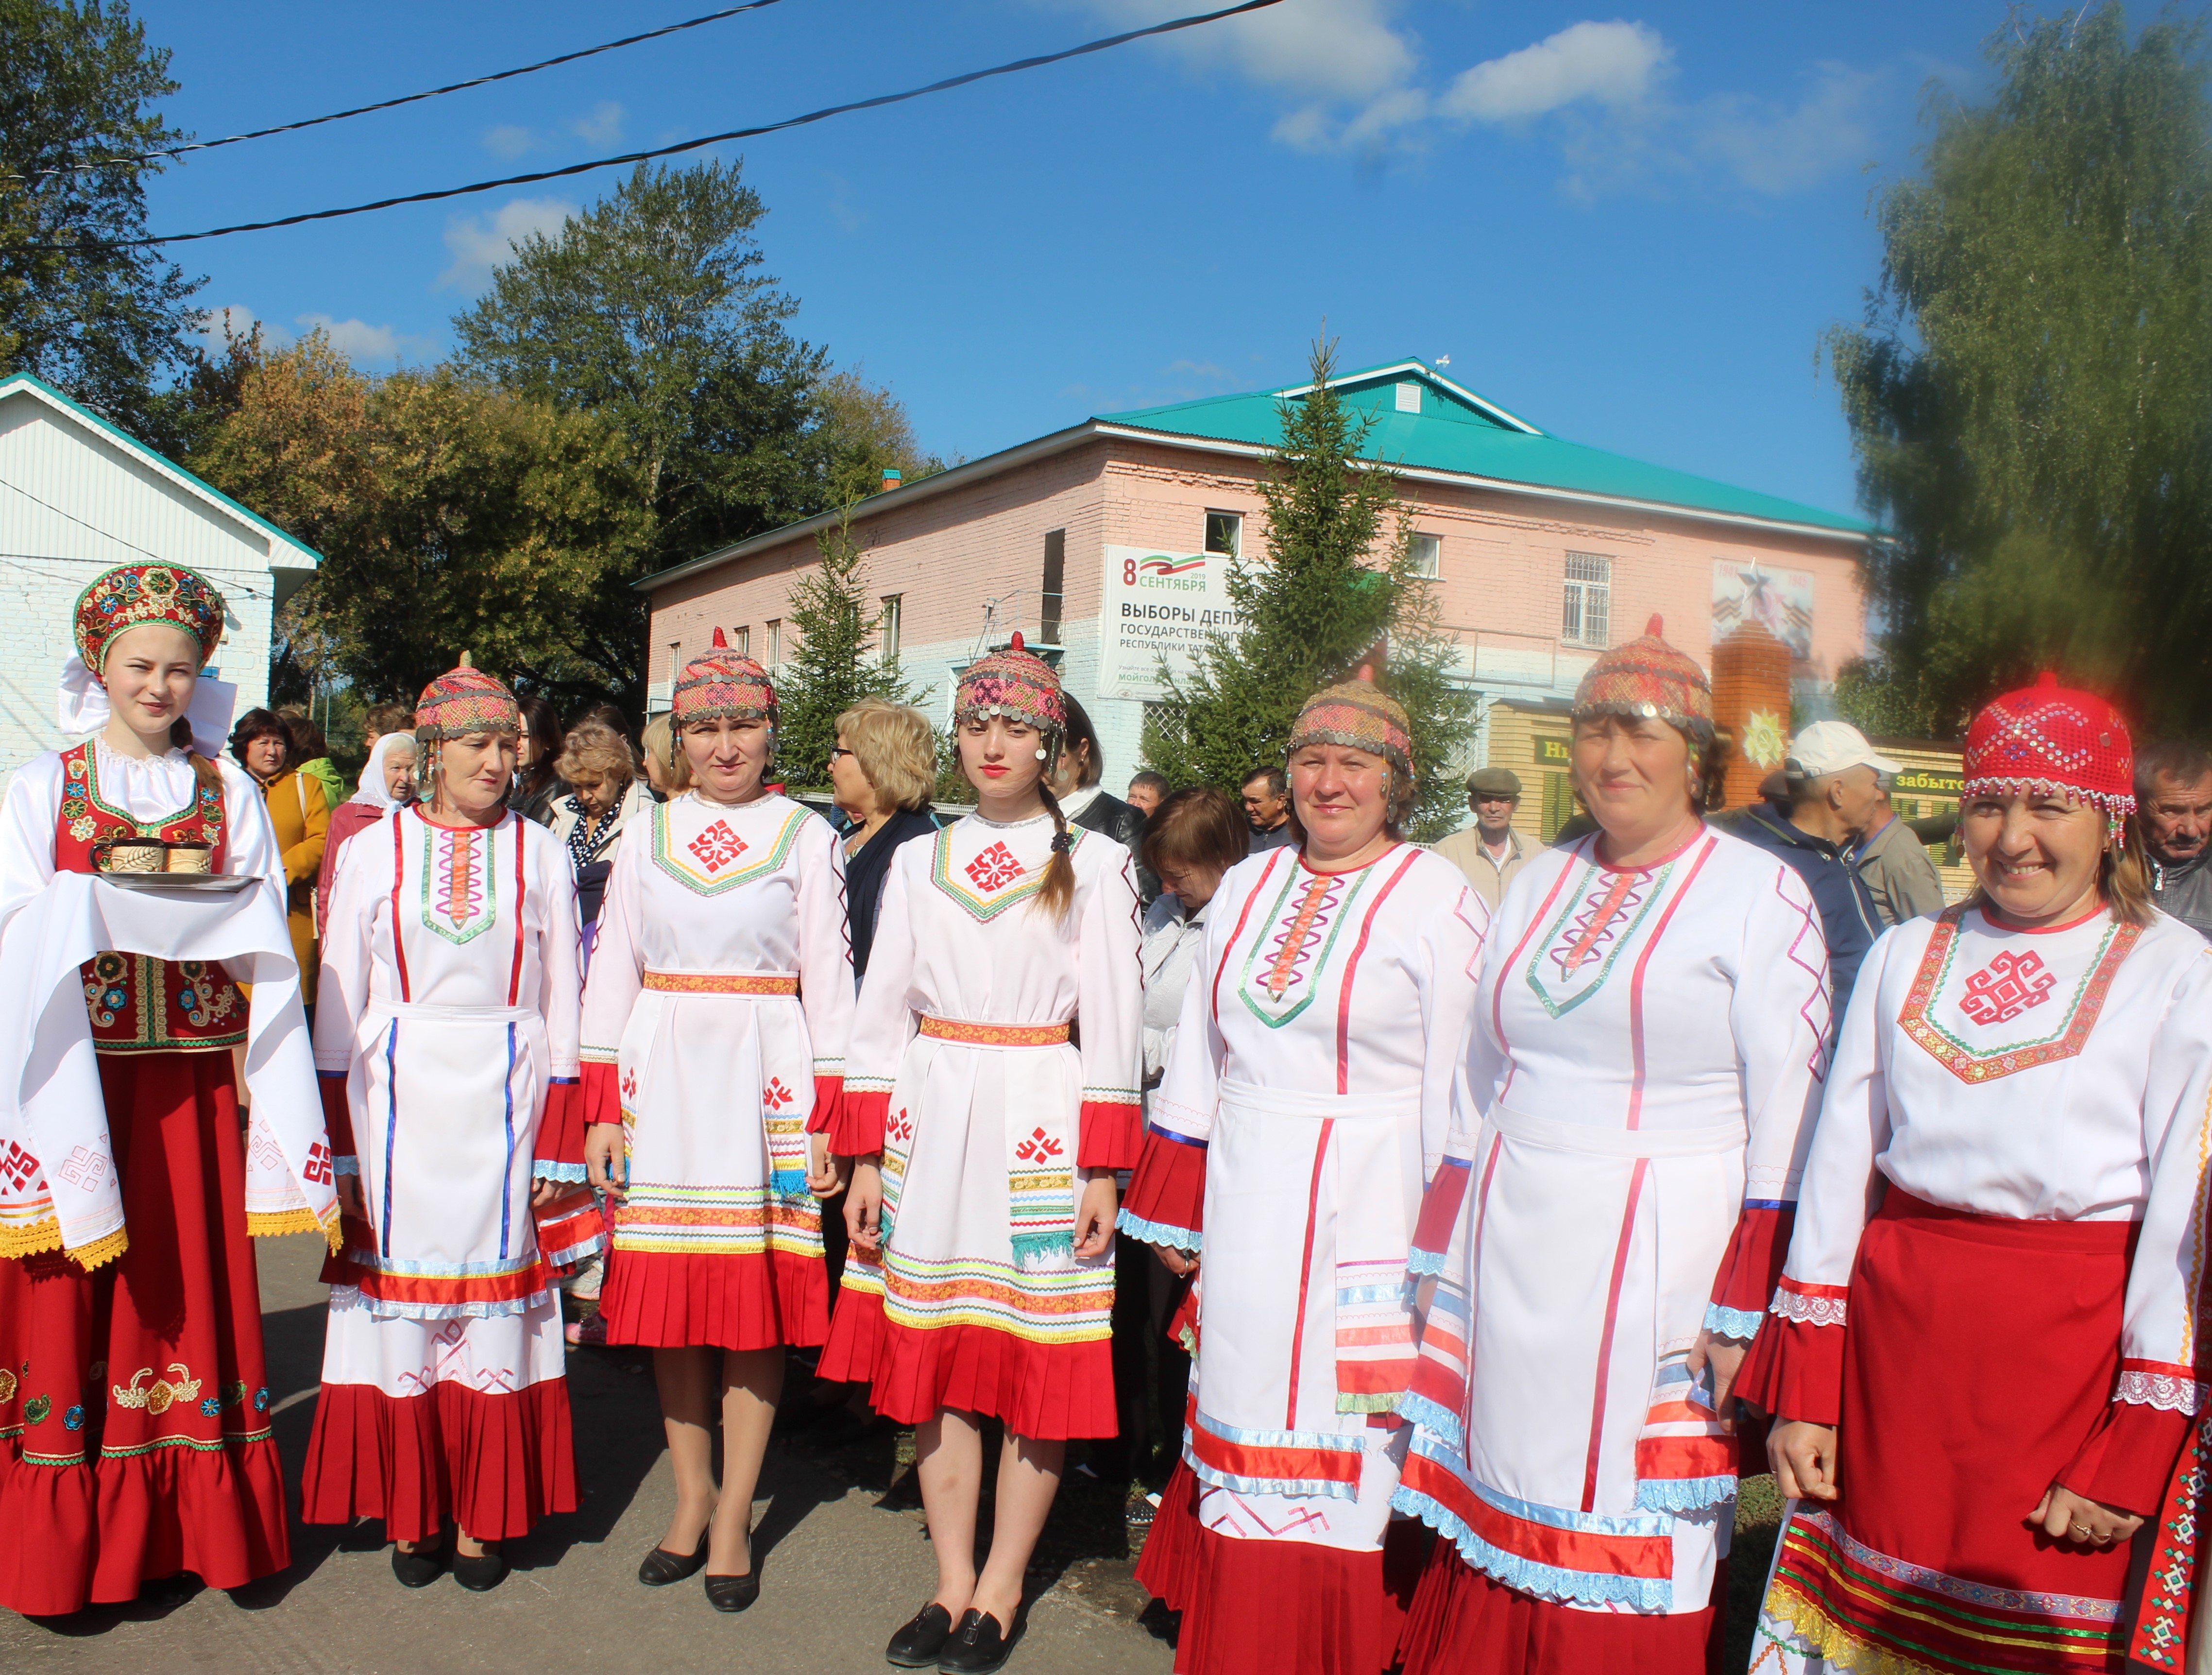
(350, 1203)
(2077, 1518)
(825, 1175)
(603, 1145)
(1093, 1216)
(1181, 1264)
(543, 1193)
(1803, 1455)
(864, 1208)
(1726, 1357)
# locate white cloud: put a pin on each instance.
(1335, 48)
(1611, 64)
(508, 140)
(359, 341)
(478, 245)
(241, 321)
(603, 126)
(1773, 150)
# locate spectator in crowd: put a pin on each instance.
(1267, 809)
(263, 745)
(1490, 852)
(1086, 803)
(605, 795)
(2173, 798)
(1830, 782)
(881, 773)
(383, 718)
(537, 777)
(387, 781)
(1147, 790)
(666, 770)
(1895, 865)
(311, 753)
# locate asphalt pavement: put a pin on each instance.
(838, 1537)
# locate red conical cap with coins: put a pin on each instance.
(722, 684)
(1650, 678)
(1358, 715)
(1015, 683)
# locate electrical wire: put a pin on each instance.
(143, 157)
(79, 522)
(876, 103)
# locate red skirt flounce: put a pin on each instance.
(1463, 1620)
(1258, 1607)
(1167, 1568)
(661, 1299)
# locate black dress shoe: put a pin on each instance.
(733, 1594)
(978, 1646)
(660, 1566)
(420, 1568)
(482, 1574)
(916, 1645)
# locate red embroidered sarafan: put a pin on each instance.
(139, 1004)
(1998, 997)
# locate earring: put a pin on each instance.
(1040, 756)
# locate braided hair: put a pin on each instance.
(1057, 894)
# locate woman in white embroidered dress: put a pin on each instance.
(715, 1026)
(446, 1038)
(981, 1280)
(1984, 1347)
(1305, 1106)
(1640, 1086)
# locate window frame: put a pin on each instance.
(1436, 568)
(1235, 522)
(1578, 591)
(888, 625)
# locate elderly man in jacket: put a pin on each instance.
(1490, 852)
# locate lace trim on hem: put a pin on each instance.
(1160, 1233)
(1809, 1632)
(573, 1172)
(1796, 1306)
(1423, 1264)
(382, 1309)
(1683, 1495)
(1424, 1413)
(1740, 1323)
(2165, 1391)
(1649, 1594)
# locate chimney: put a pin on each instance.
(891, 478)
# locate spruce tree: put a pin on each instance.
(833, 665)
(1336, 589)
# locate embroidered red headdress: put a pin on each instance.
(2048, 738)
(1651, 678)
(722, 684)
(1353, 714)
(463, 701)
(1015, 683)
(130, 594)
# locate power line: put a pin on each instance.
(877, 103)
(391, 104)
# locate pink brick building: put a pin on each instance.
(1105, 544)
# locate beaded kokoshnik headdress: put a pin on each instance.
(130, 594)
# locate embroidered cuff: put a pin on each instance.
(1109, 1130)
(2128, 1457)
(828, 1094)
(1439, 1217)
(1165, 1203)
(601, 1091)
(2161, 1385)
(1795, 1371)
(1808, 1305)
(338, 1112)
(1742, 1325)
(342, 1164)
(1752, 1266)
(542, 1170)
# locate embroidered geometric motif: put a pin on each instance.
(85, 1168)
(1038, 1147)
(17, 1167)
(1599, 921)
(2007, 987)
(717, 846)
(1979, 1063)
(899, 1126)
(460, 887)
(1294, 944)
(994, 869)
(318, 1163)
(775, 1095)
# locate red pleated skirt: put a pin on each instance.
(493, 1465)
(1167, 1568)
(663, 1299)
(134, 1434)
(1261, 1607)
(1463, 1622)
(1051, 1391)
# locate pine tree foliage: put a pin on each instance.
(1335, 588)
(836, 663)
(2026, 394)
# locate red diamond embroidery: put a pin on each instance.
(717, 846)
(994, 869)
(900, 1126)
(2007, 987)
(775, 1095)
(1039, 1148)
(17, 1167)
(319, 1163)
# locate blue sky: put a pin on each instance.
(1631, 227)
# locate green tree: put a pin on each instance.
(101, 322)
(2026, 394)
(1336, 589)
(836, 662)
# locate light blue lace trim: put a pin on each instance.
(1159, 1233)
(1425, 1263)
(345, 1166)
(1434, 1418)
(545, 1171)
(1683, 1495)
(349, 1296)
(1740, 1323)
(1643, 1594)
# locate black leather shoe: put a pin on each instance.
(482, 1574)
(978, 1646)
(733, 1594)
(420, 1568)
(916, 1645)
(660, 1566)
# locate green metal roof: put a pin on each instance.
(1462, 433)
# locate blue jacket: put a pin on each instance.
(1848, 914)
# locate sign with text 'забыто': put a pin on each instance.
(1156, 606)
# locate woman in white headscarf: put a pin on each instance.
(387, 781)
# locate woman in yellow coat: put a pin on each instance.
(301, 817)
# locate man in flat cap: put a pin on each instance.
(1490, 852)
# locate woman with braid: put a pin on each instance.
(984, 1143)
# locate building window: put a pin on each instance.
(1586, 614)
(1055, 585)
(1425, 551)
(1409, 398)
(743, 640)
(889, 626)
(774, 641)
(1224, 533)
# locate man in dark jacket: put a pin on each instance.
(1087, 803)
(1830, 790)
(2173, 799)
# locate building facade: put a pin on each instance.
(1107, 546)
(77, 495)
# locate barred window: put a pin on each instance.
(1586, 612)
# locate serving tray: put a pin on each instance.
(205, 884)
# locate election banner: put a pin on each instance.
(1158, 605)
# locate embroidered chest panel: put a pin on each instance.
(718, 859)
(992, 882)
(88, 822)
(2014, 1012)
(460, 881)
(1601, 918)
(1297, 940)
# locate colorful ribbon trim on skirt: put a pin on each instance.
(994, 1035)
(719, 982)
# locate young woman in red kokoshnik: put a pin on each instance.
(134, 1410)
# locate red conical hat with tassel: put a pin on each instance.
(1358, 716)
(1015, 683)
(1650, 678)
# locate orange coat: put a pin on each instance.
(302, 819)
